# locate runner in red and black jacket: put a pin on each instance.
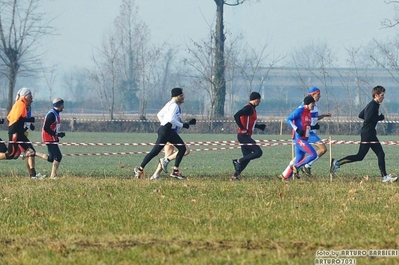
(246, 121)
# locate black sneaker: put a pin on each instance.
(334, 165)
(176, 174)
(237, 165)
(307, 171)
(295, 172)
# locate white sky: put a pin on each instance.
(284, 24)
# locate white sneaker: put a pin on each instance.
(138, 173)
(155, 176)
(164, 164)
(334, 165)
(38, 176)
(389, 178)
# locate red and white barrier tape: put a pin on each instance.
(140, 153)
(215, 121)
(196, 143)
(214, 143)
(229, 143)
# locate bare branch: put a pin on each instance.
(237, 2)
(22, 26)
(390, 23)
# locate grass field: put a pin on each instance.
(96, 213)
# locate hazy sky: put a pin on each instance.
(285, 24)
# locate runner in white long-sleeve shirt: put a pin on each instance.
(170, 118)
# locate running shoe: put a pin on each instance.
(138, 173)
(177, 174)
(164, 164)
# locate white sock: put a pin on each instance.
(285, 172)
(311, 162)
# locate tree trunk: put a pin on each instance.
(219, 79)
(11, 84)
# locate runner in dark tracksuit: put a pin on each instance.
(368, 136)
(246, 121)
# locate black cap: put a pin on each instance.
(254, 95)
(177, 91)
(308, 99)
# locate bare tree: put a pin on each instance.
(163, 74)
(127, 26)
(355, 80)
(255, 66)
(219, 69)
(147, 57)
(22, 26)
(386, 56)
(126, 63)
(201, 60)
(317, 61)
(49, 76)
(77, 82)
(211, 61)
(138, 58)
(105, 73)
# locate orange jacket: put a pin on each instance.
(17, 116)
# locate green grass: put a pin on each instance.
(97, 214)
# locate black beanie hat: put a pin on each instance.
(254, 95)
(177, 91)
(308, 99)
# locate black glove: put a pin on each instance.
(381, 117)
(260, 126)
(30, 119)
(300, 132)
(1, 121)
(60, 134)
(192, 122)
(186, 125)
(315, 127)
(32, 127)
